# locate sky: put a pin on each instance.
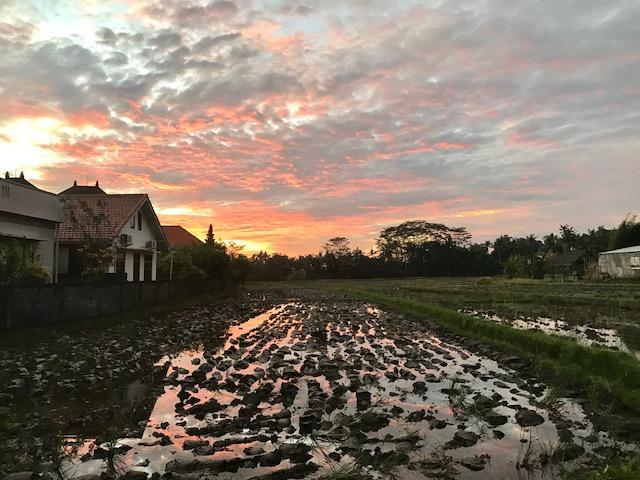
(287, 123)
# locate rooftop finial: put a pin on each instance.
(97, 184)
(21, 175)
(6, 175)
(75, 183)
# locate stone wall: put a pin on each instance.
(47, 304)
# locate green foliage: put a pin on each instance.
(34, 274)
(19, 265)
(183, 266)
(516, 267)
(95, 257)
(96, 250)
(626, 235)
(202, 262)
(618, 470)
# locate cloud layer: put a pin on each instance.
(284, 124)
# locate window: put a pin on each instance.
(120, 261)
(136, 267)
(148, 265)
(133, 222)
(635, 263)
(139, 220)
(5, 191)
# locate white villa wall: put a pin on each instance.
(139, 239)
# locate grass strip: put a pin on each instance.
(611, 379)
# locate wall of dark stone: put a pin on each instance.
(46, 304)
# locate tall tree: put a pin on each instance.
(210, 238)
(627, 234)
(399, 242)
(337, 246)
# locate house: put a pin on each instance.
(178, 236)
(620, 263)
(30, 216)
(570, 262)
(126, 223)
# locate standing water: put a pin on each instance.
(313, 389)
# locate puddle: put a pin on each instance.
(306, 389)
(584, 334)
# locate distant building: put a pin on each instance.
(178, 236)
(621, 263)
(570, 262)
(126, 221)
(29, 216)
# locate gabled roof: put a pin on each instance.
(178, 236)
(103, 216)
(634, 249)
(570, 257)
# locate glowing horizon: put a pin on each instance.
(284, 125)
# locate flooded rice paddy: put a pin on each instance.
(584, 334)
(328, 389)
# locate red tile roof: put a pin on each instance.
(114, 211)
(178, 236)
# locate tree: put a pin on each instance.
(337, 246)
(210, 238)
(626, 235)
(96, 249)
(570, 240)
(398, 243)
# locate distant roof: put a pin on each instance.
(623, 250)
(83, 190)
(20, 181)
(178, 236)
(569, 258)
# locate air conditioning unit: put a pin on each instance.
(125, 239)
(151, 245)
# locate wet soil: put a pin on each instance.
(326, 387)
(591, 336)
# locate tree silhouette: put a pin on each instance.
(210, 239)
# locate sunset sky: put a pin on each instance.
(285, 123)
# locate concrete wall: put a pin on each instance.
(618, 265)
(48, 304)
(28, 202)
(31, 214)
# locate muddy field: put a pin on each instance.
(326, 388)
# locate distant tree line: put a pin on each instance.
(420, 248)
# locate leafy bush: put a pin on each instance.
(516, 267)
(19, 265)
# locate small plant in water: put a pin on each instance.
(62, 453)
(111, 456)
(437, 464)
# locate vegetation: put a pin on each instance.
(420, 248)
(19, 264)
(627, 234)
(211, 261)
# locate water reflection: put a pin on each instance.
(323, 385)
